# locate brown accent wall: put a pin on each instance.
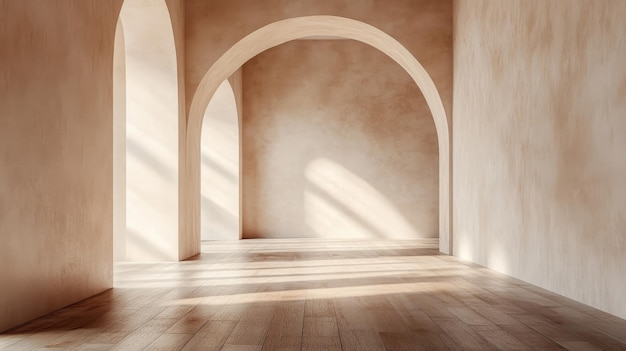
(539, 144)
(338, 142)
(56, 165)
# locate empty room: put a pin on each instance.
(312, 175)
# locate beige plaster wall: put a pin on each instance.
(56, 61)
(539, 141)
(338, 142)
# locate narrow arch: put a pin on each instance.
(220, 167)
(291, 29)
(146, 137)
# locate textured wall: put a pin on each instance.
(539, 140)
(337, 142)
(56, 61)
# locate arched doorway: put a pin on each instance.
(275, 34)
(220, 208)
(145, 134)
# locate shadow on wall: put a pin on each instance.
(220, 167)
(338, 203)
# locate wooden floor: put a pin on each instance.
(320, 295)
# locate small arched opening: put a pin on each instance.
(145, 134)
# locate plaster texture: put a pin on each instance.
(539, 140)
(338, 142)
(422, 29)
(56, 165)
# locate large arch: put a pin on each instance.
(278, 33)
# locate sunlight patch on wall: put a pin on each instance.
(341, 204)
(497, 258)
(463, 247)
